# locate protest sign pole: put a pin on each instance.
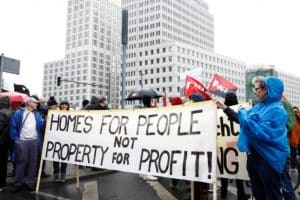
(216, 164)
(39, 176)
(41, 160)
(192, 190)
(77, 175)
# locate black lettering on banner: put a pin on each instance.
(179, 133)
(72, 150)
(63, 123)
(167, 158)
(173, 161)
(54, 121)
(150, 123)
(88, 122)
(95, 147)
(194, 112)
(86, 152)
(49, 147)
(56, 150)
(103, 151)
(209, 163)
(145, 155)
(173, 119)
(164, 123)
(77, 130)
(66, 147)
(153, 159)
(114, 124)
(226, 129)
(222, 161)
(184, 163)
(197, 155)
(78, 152)
(124, 121)
(117, 125)
(74, 123)
(72, 120)
(124, 142)
(232, 129)
(164, 161)
(104, 123)
(120, 158)
(142, 121)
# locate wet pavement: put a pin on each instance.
(114, 185)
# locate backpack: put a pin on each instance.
(295, 133)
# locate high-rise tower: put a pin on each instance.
(168, 37)
(92, 54)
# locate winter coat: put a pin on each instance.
(263, 127)
(94, 104)
(16, 126)
(5, 114)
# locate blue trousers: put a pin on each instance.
(27, 152)
(287, 187)
(265, 181)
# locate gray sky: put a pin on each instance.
(254, 31)
(259, 31)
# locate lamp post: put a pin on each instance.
(124, 43)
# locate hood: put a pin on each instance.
(274, 89)
(263, 127)
(4, 102)
(94, 100)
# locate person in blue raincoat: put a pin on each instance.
(263, 135)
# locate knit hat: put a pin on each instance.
(51, 101)
(230, 99)
(197, 97)
(85, 102)
(175, 101)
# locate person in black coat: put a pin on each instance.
(5, 114)
(97, 103)
(230, 100)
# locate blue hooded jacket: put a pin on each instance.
(264, 127)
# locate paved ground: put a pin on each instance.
(112, 185)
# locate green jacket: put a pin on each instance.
(291, 116)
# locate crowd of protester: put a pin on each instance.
(265, 129)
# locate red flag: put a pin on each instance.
(219, 86)
(193, 86)
(165, 99)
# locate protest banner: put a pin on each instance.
(231, 163)
(176, 142)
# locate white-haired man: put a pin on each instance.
(26, 130)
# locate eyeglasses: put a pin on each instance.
(257, 89)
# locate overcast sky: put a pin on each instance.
(253, 31)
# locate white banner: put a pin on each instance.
(231, 162)
(176, 141)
